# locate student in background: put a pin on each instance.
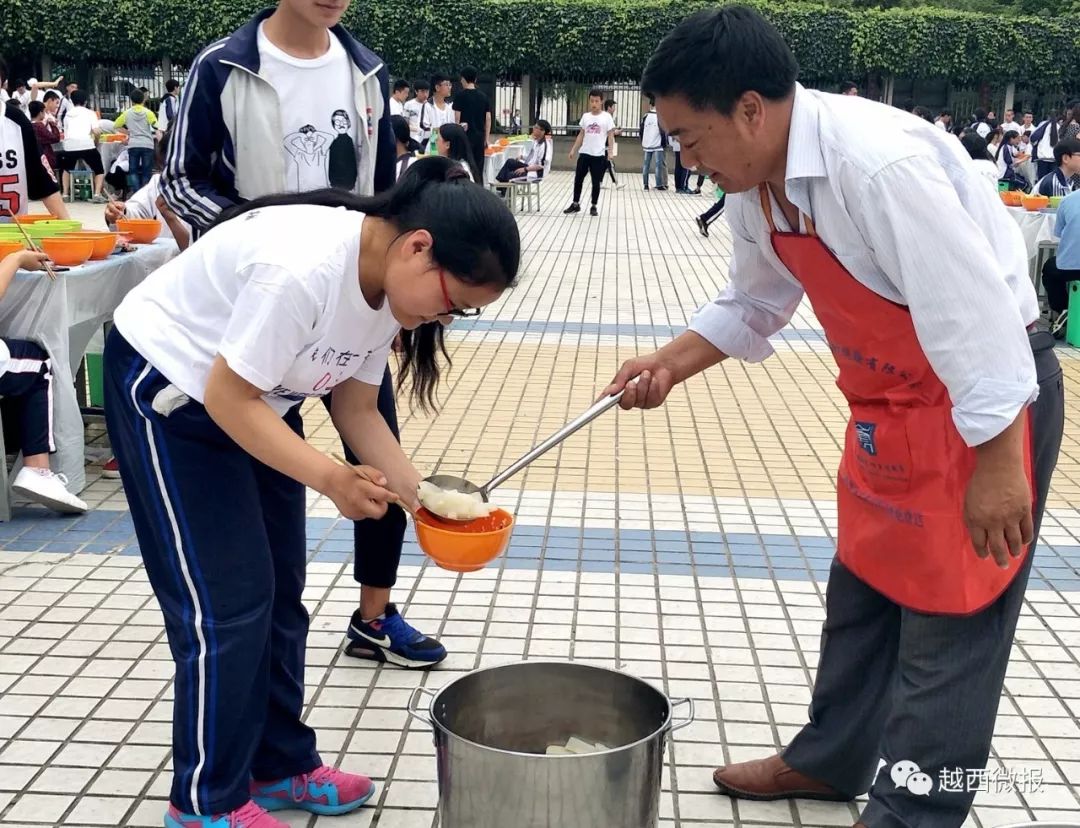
(1063, 268)
(452, 143)
(26, 178)
(398, 97)
(472, 110)
(682, 175)
(981, 125)
(148, 203)
(140, 124)
(167, 108)
(653, 139)
(710, 215)
(1061, 181)
(80, 131)
(595, 139)
(420, 114)
(402, 136)
(849, 88)
(1007, 158)
(980, 155)
(1044, 139)
(441, 87)
(944, 120)
(536, 161)
(610, 105)
(47, 133)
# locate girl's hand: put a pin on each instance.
(30, 260)
(571, 155)
(358, 492)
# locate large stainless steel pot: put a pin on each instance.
(492, 727)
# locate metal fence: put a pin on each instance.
(110, 85)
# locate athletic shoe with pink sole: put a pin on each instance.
(326, 791)
(248, 816)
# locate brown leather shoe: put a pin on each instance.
(765, 780)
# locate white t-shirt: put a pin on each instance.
(318, 115)
(397, 107)
(595, 129)
(24, 99)
(1011, 126)
(289, 318)
(442, 116)
(983, 129)
(78, 129)
(421, 116)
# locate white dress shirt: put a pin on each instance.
(906, 211)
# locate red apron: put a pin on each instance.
(905, 469)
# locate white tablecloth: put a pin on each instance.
(493, 163)
(63, 316)
(1036, 227)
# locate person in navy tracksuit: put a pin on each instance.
(270, 109)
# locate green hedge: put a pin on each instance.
(572, 39)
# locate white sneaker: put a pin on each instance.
(49, 489)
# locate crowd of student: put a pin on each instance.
(1026, 155)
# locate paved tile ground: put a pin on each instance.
(689, 544)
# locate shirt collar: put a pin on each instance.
(805, 159)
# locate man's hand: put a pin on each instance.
(655, 379)
(686, 355)
(114, 211)
(997, 507)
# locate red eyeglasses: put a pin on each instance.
(450, 309)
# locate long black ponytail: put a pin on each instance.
(474, 238)
(454, 135)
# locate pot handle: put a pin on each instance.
(678, 724)
(415, 711)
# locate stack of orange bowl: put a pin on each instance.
(464, 547)
(1012, 198)
(9, 247)
(30, 218)
(104, 242)
(142, 231)
(67, 252)
(1035, 203)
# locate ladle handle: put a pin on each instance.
(554, 440)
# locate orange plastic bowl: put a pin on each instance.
(142, 231)
(67, 252)
(30, 218)
(104, 243)
(1035, 203)
(7, 248)
(464, 547)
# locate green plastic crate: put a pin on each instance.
(95, 379)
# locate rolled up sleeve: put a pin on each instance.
(757, 303)
(966, 316)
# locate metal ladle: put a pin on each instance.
(460, 484)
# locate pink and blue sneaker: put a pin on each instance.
(326, 791)
(248, 816)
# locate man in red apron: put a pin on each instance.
(919, 279)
